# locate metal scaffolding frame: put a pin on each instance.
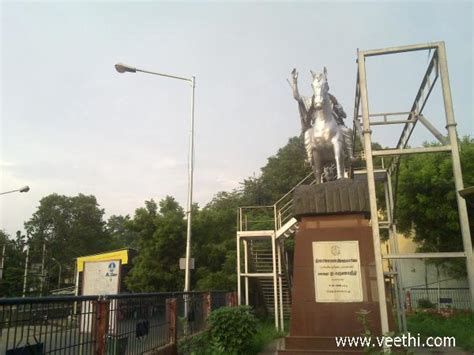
(437, 67)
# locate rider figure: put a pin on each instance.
(338, 111)
(306, 107)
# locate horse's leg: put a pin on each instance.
(317, 166)
(338, 156)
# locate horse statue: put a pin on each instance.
(328, 141)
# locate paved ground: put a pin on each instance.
(273, 347)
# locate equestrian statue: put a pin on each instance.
(327, 140)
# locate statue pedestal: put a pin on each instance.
(334, 267)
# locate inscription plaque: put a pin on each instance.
(337, 275)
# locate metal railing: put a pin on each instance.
(137, 324)
(457, 298)
(112, 324)
(284, 206)
(270, 217)
(48, 325)
(256, 218)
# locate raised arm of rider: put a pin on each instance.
(296, 93)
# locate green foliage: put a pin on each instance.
(202, 343)
(199, 344)
(424, 303)
(278, 176)
(214, 230)
(265, 334)
(161, 240)
(232, 329)
(285, 169)
(69, 227)
(426, 202)
(11, 284)
(460, 326)
(122, 236)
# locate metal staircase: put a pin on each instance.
(288, 229)
(261, 234)
(260, 255)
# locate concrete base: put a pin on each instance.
(314, 325)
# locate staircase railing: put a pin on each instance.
(271, 216)
(286, 272)
(256, 218)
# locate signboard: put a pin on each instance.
(182, 263)
(337, 275)
(99, 278)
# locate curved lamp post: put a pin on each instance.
(123, 68)
(23, 189)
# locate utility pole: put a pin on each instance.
(3, 261)
(25, 276)
(59, 277)
(42, 268)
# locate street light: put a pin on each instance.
(23, 189)
(123, 68)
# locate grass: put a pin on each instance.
(460, 326)
(265, 334)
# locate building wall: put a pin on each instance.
(415, 272)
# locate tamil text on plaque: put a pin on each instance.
(337, 275)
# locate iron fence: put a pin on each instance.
(191, 314)
(137, 323)
(218, 300)
(47, 325)
(444, 297)
(113, 324)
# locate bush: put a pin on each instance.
(196, 344)
(424, 303)
(232, 329)
(265, 334)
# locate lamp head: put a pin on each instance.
(24, 189)
(122, 68)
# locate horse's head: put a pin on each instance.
(320, 88)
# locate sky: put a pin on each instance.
(71, 124)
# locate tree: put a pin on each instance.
(161, 241)
(122, 236)
(214, 232)
(426, 206)
(69, 227)
(282, 171)
(11, 284)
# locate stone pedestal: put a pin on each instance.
(334, 268)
